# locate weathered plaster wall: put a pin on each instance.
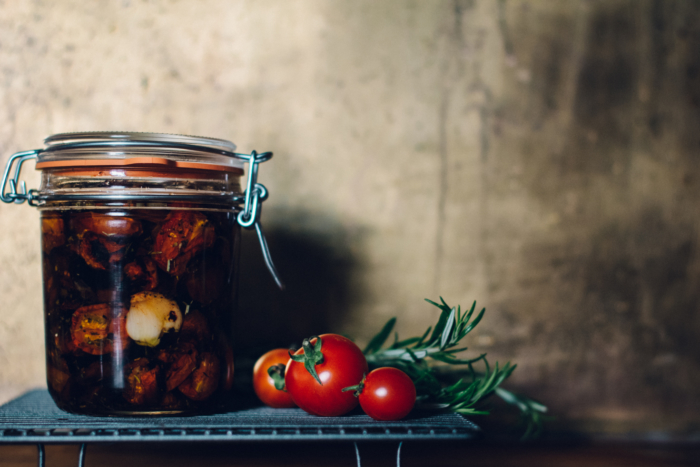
(540, 157)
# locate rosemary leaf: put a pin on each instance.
(379, 340)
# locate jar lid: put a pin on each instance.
(157, 150)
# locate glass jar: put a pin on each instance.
(140, 238)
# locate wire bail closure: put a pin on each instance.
(14, 196)
(248, 218)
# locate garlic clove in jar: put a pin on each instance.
(150, 316)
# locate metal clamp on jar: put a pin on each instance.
(140, 246)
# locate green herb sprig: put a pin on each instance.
(420, 358)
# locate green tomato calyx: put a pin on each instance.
(311, 356)
(276, 372)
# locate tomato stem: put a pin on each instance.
(358, 388)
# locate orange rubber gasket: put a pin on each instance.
(158, 162)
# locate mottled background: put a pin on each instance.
(539, 157)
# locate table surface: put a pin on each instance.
(34, 418)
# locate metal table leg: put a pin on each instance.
(81, 455)
(357, 454)
(42, 460)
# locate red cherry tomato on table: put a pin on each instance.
(387, 394)
(338, 363)
(264, 385)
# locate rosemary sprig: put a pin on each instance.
(417, 356)
(532, 413)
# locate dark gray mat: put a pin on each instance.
(34, 418)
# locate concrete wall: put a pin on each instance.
(539, 157)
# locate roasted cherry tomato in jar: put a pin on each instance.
(182, 362)
(271, 363)
(53, 234)
(144, 273)
(386, 394)
(182, 235)
(204, 380)
(195, 326)
(141, 382)
(104, 239)
(98, 329)
(318, 372)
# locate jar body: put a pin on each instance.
(139, 300)
(140, 246)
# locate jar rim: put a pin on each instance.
(138, 148)
(59, 139)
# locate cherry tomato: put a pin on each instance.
(387, 394)
(264, 385)
(338, 363)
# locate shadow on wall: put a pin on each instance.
(313, 256)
